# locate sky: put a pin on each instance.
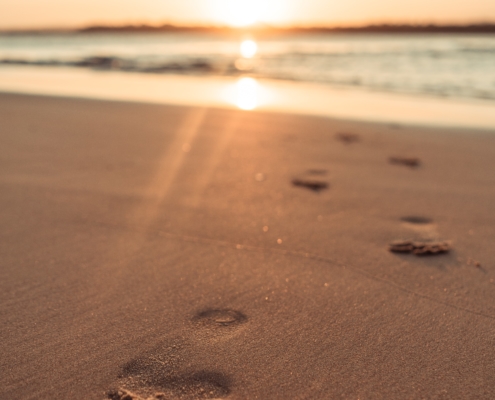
(20, 14)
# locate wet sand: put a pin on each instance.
(192, 253)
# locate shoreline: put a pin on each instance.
(249, 93)
(393, 126)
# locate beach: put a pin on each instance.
(160, 251)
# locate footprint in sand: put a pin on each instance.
(197, 385)
(217, 324)
(428, 244)
(160, 375)
(348, 137)
(219, 318)
(311, 184)
(424, 227)
(413, 219)
(411, 162)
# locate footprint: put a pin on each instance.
(413, 219)
(192, 386)
(420, 248)
(311, 184)
(411, 162)
(428, 242)
(422, 226)
(348, 137)
(219, 318)
(158, 375)
(164, 373)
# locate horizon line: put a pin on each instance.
(426, 27)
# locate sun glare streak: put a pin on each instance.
(248, 48)
(170, 164)
(213, 159)
(131, 241)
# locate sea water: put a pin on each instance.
(435, 66)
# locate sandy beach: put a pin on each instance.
(152, 251)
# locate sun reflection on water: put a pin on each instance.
(248, 48)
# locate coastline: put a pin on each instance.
(244, 92)
(158, 248)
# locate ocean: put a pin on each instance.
(440, 65)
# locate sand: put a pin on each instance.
(153, 251)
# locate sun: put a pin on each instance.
(241, 13)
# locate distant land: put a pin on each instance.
(265, 29)
(383, 28)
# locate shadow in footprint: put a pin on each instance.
(159, 376)
(348, 137)
(311, 184)
(424, 228)
(411, 162)
(413, 219)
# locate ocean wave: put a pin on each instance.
(462, 67)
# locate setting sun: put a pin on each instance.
(242, 13)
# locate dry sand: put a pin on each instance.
(200, 253)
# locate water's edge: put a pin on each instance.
(250, 94)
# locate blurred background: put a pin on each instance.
(437, 48)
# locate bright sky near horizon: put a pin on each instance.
(18, 14)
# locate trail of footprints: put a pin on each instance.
(308, 180)
(429, 245)
(311, 179)
(155, 376)
(160, 374)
